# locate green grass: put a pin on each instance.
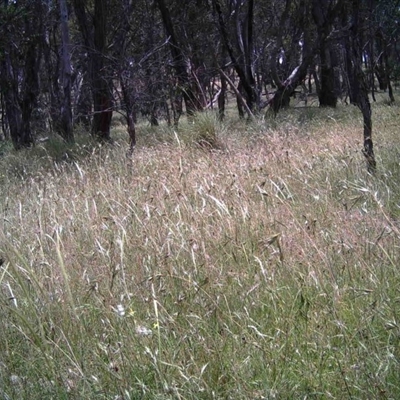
(261, 266)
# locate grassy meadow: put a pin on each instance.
(235, 260)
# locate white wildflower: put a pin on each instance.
(120, 310)
(143, 331)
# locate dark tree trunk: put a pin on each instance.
(84, 103)
(30, 87)
(281, 99)
(351, 76)
(102, 89)
(20, 78)
(380, 74)
(386, 68)
(245, 37)
(11, 101)
(52, 69)
(326, 93)
(368, 149)
(379, 68)
(4, 124)
(66, 111)
(151, 103)
(370, 63)
(310, 49)
(391, 95)
(358, 86)
(286, 88)
(192, 103)
(95, 39)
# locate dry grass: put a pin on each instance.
(263, 268)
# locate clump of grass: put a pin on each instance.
(203, 129)
(266, 270)
(47, 153)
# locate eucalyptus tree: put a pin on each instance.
(94, 27)
(357, 79)
(328, 55)
(305, 28)
(65, 75)
(22, 40)
(386, 19)
(184, 26)
(236, 26)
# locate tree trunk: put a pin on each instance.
(66, 112)
(4, 125)
(387, 74)
(359, 90)
(326, 93)
(244, 37)
(11, 101)
(102, 90)
(192, 103)
(95, 41)
(20, 81)
(368, 149)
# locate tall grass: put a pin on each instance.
(265, 268)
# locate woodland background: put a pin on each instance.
(78, 62)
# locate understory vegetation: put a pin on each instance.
(234, 260)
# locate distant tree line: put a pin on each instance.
(65, 63)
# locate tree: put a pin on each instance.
(179, 62)
(94, 33)
(65, 78)
(386, 18)
(358, 85)
(241, 55)
(20, 64)
(327, 93)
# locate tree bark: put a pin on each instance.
(11, 101)
(66, 111)
(327, 94)
(311, 47)
(192, 103)
(102, 95)
(20, 74)
(244, 37)
(359, 90)
(95, 39)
